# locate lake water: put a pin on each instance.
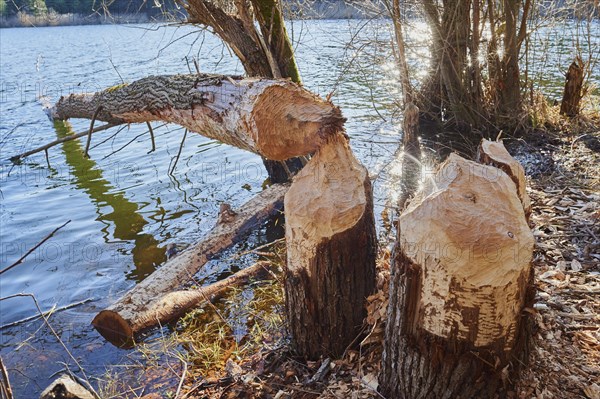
(124, 206)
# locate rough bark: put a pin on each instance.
(331, 248)
(124, 320)
(246, 113)
(573, 85)
(270, 19)
(134, 311)
(510, 87)
(495, 154)
(460, 280)
(233, 31)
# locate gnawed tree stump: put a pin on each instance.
(460, 280)
(246, 113)
(572, 94)
(495, 154)
(152, 301)
(331, 249)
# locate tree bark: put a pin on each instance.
(495, 154)
(460, 280)
(235, 32)
(140, 307)
(124, 320)
(246, 113)
(331, 249)
(573, 85)
(510, 87)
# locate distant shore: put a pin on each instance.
(321, 9)
(24, 20)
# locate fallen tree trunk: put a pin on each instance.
(246, 113)
(121, 322)
(331, 249)
(150, 303)
(460, 281)
(495, 154)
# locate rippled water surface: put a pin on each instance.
(124, 206)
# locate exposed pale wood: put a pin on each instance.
(131, 313)
(461, 278)
(66, 387)
(331, 248)
(124, 320)
(494, 153)
(274, 118)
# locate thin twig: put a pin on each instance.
(34, 248)
(16, 158)
(185, 367)
(254, 250)
(179, 152)
(151, 137)
(47, 158)
(60, 341)
(5, 381)
(89, 138)
(47, 313)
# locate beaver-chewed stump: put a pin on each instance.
(331, 249)
(461, 279)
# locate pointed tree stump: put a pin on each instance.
(460, 280)
(331, 249)
(495, 154)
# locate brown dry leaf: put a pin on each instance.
(592, 391)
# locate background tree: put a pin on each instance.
(473, 81)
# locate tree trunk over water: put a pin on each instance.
(573, 85)
(332, 245)
(246, 113)
(460, 280)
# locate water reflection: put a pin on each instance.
(124, 219)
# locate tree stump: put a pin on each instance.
(460, 280)
(573, 85)
(331, 249)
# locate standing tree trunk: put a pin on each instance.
(510, 88)
(330, 234)
(460, 280)
(573, 85)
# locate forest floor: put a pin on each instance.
(564, 186)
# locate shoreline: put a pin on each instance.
(322, 9)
